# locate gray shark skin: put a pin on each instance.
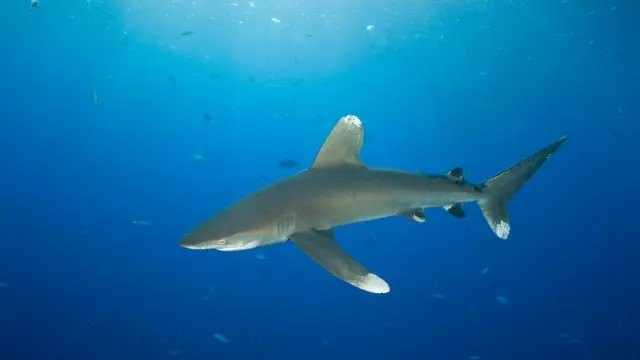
(338, 189)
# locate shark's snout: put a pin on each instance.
(190, 241)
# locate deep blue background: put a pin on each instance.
(438, 84)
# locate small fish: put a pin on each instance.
(35, 3)
(437, 296)
(223, 339)
(369, 240)
(309, 35)
(141, 222)
(260, 257)
(288, 164)
(207, 117)
(502, 300)
(199, 157)
(215, 76)
(484, 271)
(187, 33)
(474, 357)
(172, 79)
(3, 285)
(95, 96)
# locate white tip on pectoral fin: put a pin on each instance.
(502, 229)
(373, 284)
(320, 246)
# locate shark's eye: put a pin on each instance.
(222, 242)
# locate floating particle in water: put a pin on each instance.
(474, 357)
(275, 21)
(437, 296)
(252, 4)
(568, 339)
(260, 257)
(370, 27)
(288, 163)
(484, 271)
(502, 300)
(223, 339)
(141, 222)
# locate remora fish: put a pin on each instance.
(339, 189)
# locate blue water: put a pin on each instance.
(107, 158)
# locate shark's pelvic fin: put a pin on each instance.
(456, 210)
(416, 215)
(502, 186)
(320, 246)
(342, 146)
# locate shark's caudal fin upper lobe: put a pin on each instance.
(502, 186)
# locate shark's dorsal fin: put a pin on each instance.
(455, 174)
(342, 146)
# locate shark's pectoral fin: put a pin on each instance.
(455, 210)
(416, 215)
(342, 145)
(320, 246)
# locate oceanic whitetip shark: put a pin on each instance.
(338, 189)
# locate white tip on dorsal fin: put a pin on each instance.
(342, 146)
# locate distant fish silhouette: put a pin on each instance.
(288, 164)
(172, 79)
(215, 76)
(187, 33)
(207, 117)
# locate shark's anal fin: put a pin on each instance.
(455, 210)
(416, 215)
(320, 246)
(342, 145)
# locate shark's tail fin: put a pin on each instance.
(502, 186)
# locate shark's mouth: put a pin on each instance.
(239, 247)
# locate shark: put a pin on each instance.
(339, 189)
